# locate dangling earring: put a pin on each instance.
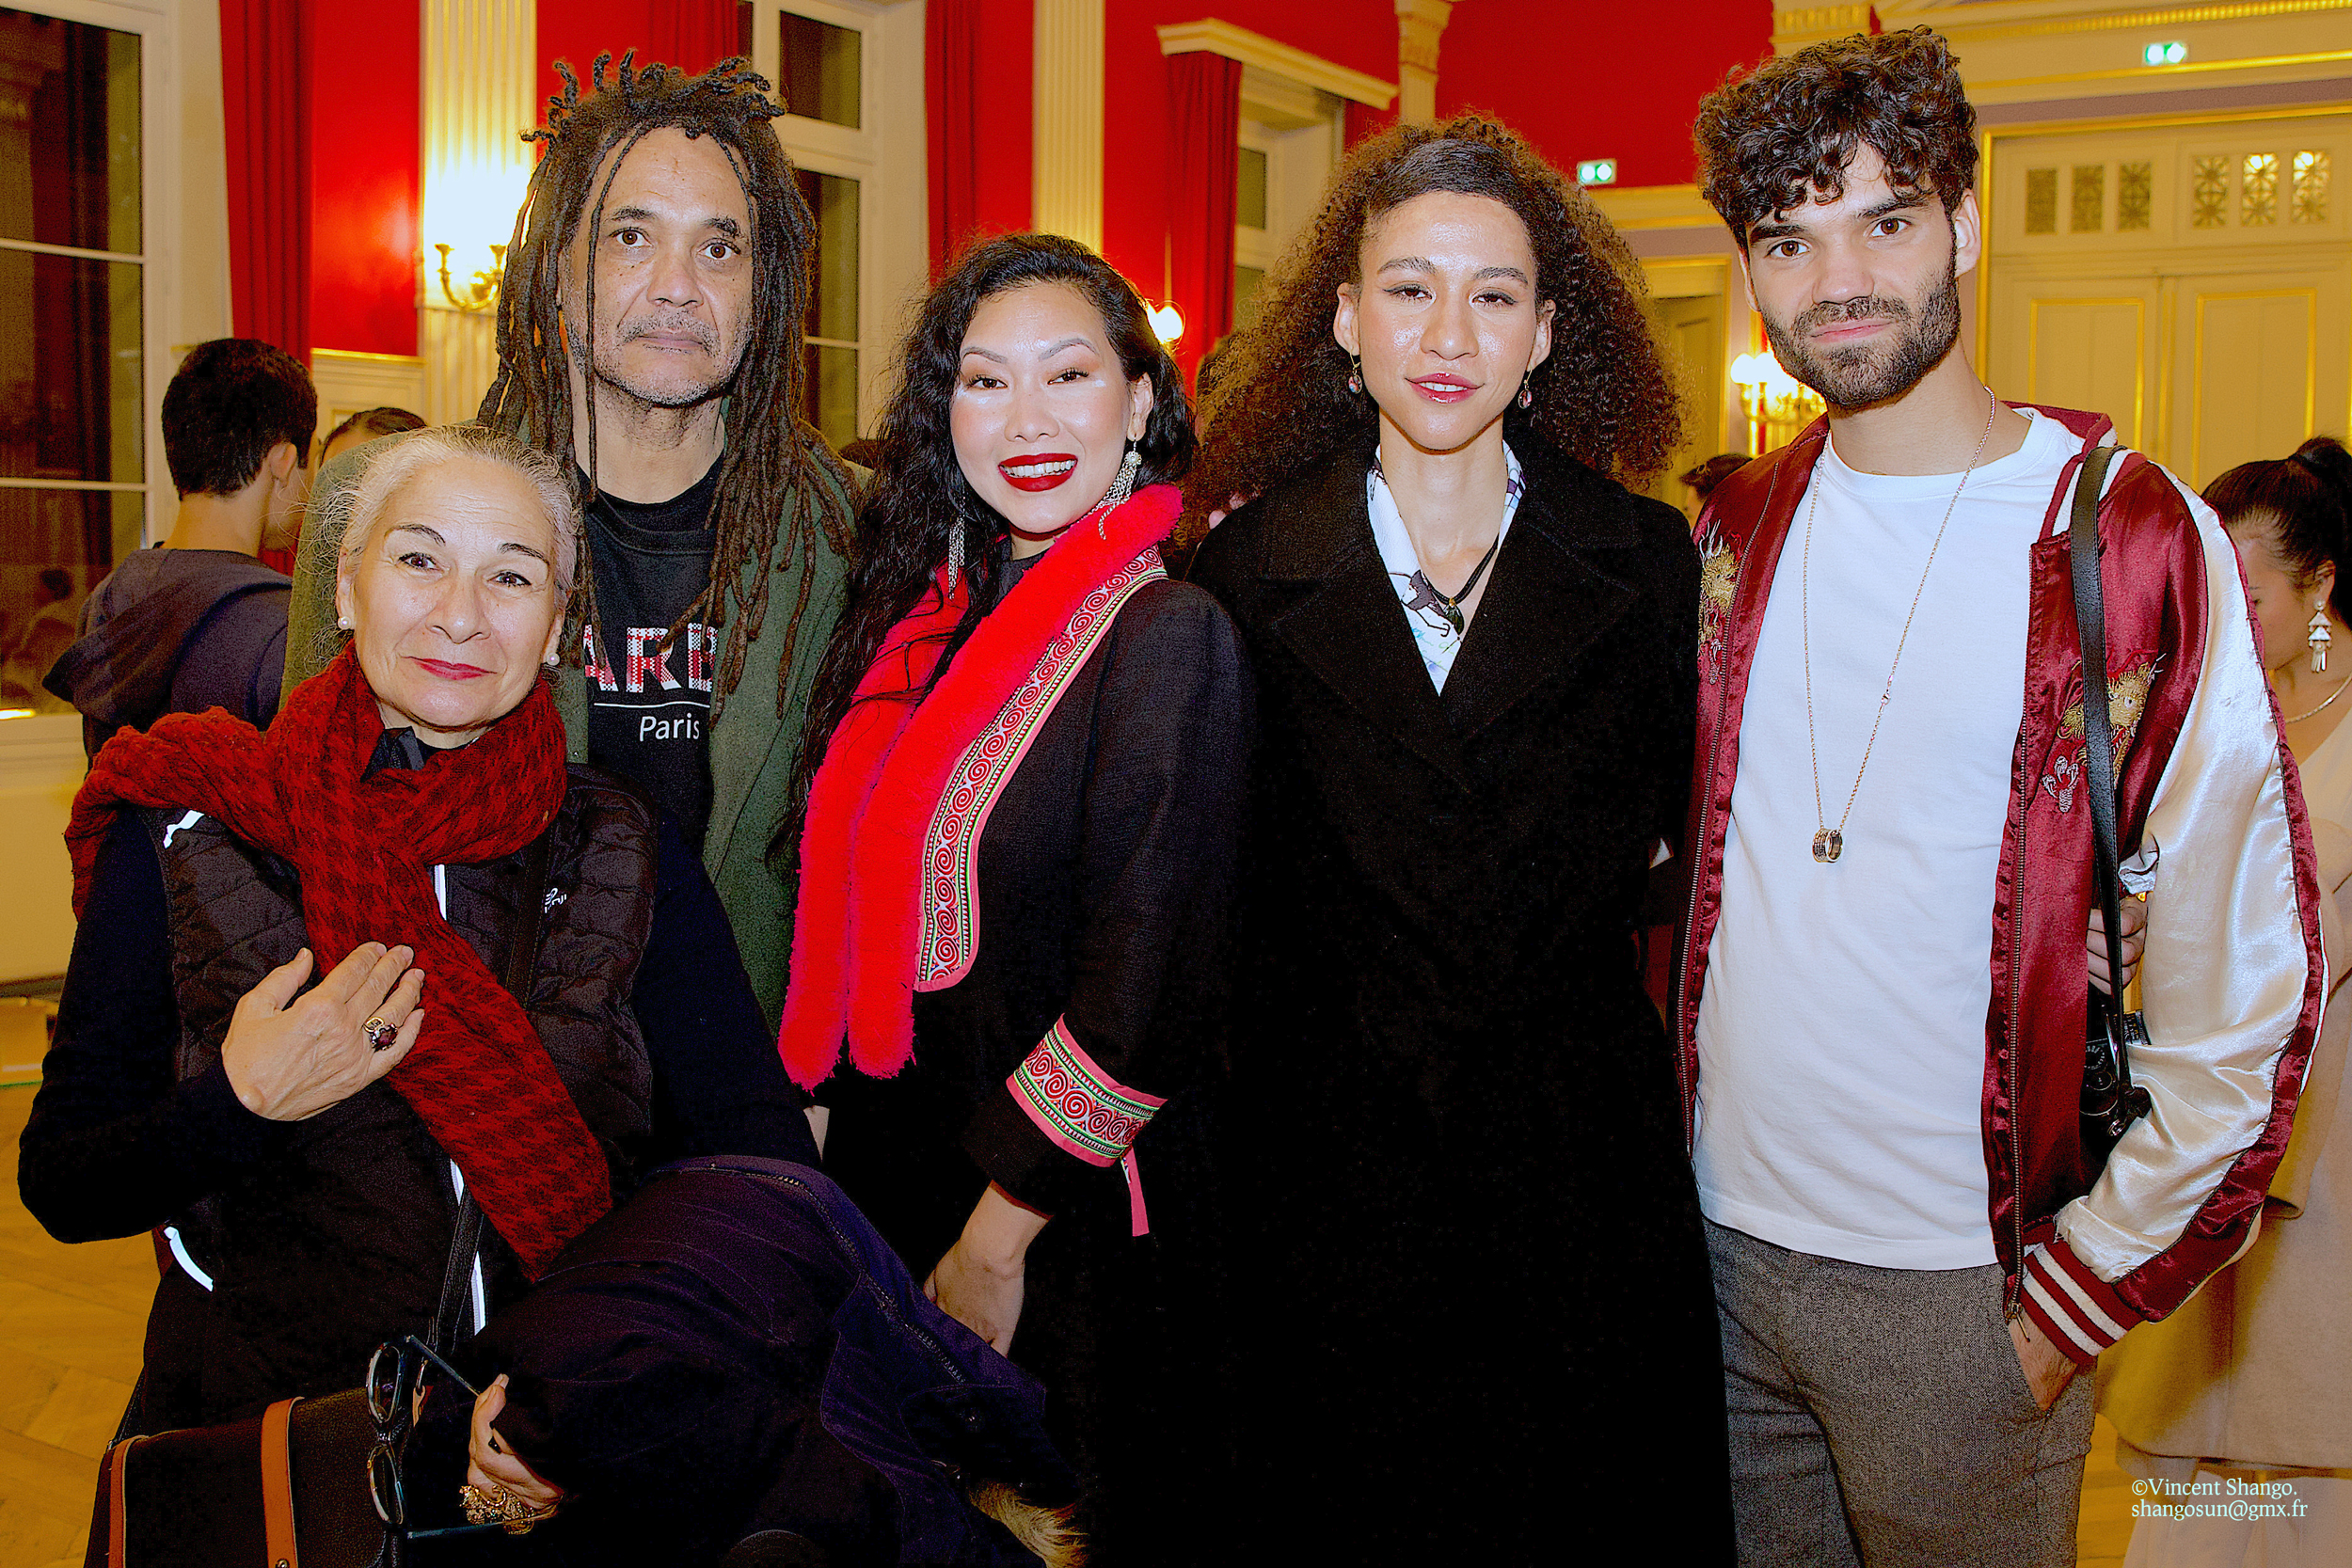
(955, 556)
(2319, 638)
(1356, 374)
(1526, 395)
(1122, 487)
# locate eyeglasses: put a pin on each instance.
(395, 1376)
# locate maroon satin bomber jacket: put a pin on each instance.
(2155, 590)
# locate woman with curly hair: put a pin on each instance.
(1474, 1230)
(1017, 867)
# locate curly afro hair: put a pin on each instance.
(1789, 129)
(1279, 402)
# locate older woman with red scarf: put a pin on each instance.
(388, 999)
(1017, 859)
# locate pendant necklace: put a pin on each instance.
(1828, 842)
(1426, 595)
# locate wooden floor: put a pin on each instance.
(71, 1319)
(69, 1325)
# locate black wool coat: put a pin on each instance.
(1474, 1237)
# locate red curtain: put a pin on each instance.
(951, 65)
(265, 101)
(696, 35)
(1204, 162)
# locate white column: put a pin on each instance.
(480, 86)
(1066, 119)
(1418, 25)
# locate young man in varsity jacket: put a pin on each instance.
(1883, 985)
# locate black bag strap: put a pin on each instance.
(522, 953)
(2098, 724)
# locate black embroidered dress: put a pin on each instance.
(1098, 948)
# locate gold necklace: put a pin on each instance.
(2297, 719)
(1828, 842)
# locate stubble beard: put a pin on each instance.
(1872, 372)
(608, 375)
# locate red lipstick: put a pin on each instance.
(1045, 471)
(448, 672)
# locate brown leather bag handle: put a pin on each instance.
(278, 1504)
(118, 1465)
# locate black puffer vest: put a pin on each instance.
(341, 1241)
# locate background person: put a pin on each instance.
(199, 622)
(665, 242)
(2252, 1380)
(1469, 1226)
(365, 426)
(1016, 869)
(304, 1147)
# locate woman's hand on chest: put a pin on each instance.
(289, 1055)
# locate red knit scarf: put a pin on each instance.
(364, 849)
(859, 920)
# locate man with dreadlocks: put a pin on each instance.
(649, 337)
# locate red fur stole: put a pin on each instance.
(860, 914)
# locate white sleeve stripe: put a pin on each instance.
(2057, 1316)
(2092, 1315)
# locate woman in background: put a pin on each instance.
(1472, 1242)
(2252, 1381)
(1016, 869)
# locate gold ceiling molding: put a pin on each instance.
(1628, 207)
(1955, 25)
(1794, 27)
(2187, 68)
(1311, 70)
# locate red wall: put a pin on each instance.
(366, 130)
(579, 30)
(1358, 33)
(1623, 87)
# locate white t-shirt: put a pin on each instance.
(1842, 1033)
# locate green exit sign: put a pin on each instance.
(1597, 171)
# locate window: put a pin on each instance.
(817, 69)
(1290, 140)
(824, 58)
(72, 360)
(830, 327)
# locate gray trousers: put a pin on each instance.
(1879, 1416)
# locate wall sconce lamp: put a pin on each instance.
(1776, 402)
(481, 294)
(1167, 323)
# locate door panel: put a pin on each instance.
(2079, 342)
(2253, 372)
(2090, 353)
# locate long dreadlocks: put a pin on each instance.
(770, 452)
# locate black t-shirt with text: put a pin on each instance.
(649, 706)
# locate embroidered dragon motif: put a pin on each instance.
(1719, 581)
(2127, 704)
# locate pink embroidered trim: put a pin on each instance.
(1082, 1109)
(952, 846)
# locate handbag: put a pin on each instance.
(308, 1483)
(2111, 1101)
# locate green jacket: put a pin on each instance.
(753, 752)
